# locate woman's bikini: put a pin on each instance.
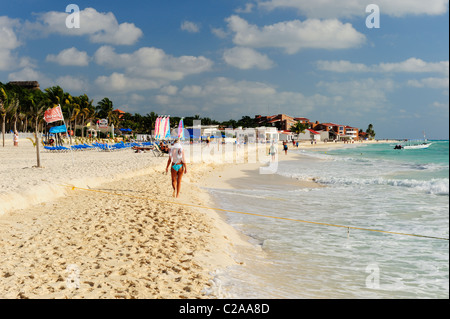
(177, 167)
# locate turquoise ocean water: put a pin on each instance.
(369, 186)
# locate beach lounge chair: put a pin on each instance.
(138, 149)
(157, 151)
(102, 147)
(57, 149)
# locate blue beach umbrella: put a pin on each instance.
(58, 129)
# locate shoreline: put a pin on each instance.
(36, 237)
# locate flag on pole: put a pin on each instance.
(53, 115)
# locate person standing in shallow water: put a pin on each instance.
(178, 166)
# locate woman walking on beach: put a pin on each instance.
(178, 166)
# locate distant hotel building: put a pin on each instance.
(330, 131)
(281, 121)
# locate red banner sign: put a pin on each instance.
(53, 115)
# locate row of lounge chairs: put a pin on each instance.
(56, 149)
(103, 147)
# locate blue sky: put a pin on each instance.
(228, 58)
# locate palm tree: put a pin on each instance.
(23, 120)
(74, 112)
(149, 122)
(104, 107)
(6, 104)
(299, 127)
(3, 111)
(14, 111)
(370, 132)
(84, 112)
(105, 110)
(36, 111)
(90, 115)
(86, 108)
(113, 118)
(246, 121)
(55, 95)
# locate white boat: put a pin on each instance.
(417, 144)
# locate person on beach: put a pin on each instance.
(273, 151)
(16, 138)
(285, 147)
(178, 166)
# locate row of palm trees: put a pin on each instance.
(22, 109)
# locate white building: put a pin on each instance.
(351, 132)
(285, 136)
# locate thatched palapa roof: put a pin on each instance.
(31, 85)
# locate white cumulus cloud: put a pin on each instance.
(100, 27)
(150, 62)
(411, 65)
(8, 42)
(247, 58)
(232, 98)
(295, 35)
(190, 26)
(119, 82)
(71, 56)
(71, 83)
(431, 82)
(359, 95)
(350, 8)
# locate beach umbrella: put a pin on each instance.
(58, 129)
(112, 130)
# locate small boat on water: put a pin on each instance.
(414, 144)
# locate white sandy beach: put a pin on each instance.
(127, 239)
